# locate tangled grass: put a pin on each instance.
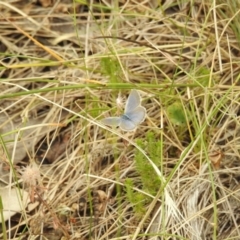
(65, 65)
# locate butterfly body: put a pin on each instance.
(134, 114)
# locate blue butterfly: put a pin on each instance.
(134, 114)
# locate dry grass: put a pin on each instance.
(175, 177)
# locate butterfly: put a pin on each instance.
(134, 114)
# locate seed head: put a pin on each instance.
(31, 175)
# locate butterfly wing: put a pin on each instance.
(126, 124)
(111, 121)
(133, 101)
(138, 115)
(130, 121)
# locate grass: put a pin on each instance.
(66, 66)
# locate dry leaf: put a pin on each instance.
(215, 158)
(20, 137)
(14, 201)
